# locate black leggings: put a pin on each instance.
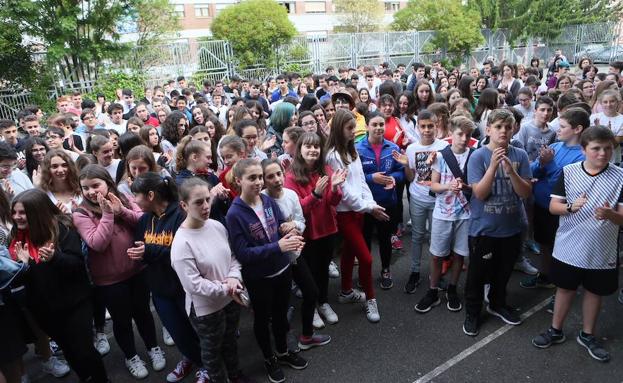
(270, 298)
(318, 253)
(99, 312)
(125, 301)
(305, 281)
(384, 231)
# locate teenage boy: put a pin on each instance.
(537, 133)
(31, 126)
(450, 224)
(218, 108)
(8, 130)
(12, 180)
(115, 111)
(283, 90)
(499, 175)
(417, 164)
(55, 137)
(419, 70)
(588, 197)
(547, 169)
(526, 105)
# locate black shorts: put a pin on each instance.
(598, 281)
(545, 226)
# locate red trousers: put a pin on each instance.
(350, 226)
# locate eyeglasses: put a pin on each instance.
(309, 123)
(52, 137)
(250, 137)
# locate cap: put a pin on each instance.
(344, 95)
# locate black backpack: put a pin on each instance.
(456, 170)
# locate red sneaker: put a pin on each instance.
(183, 368)
(396, 242)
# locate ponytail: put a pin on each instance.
(164, 187)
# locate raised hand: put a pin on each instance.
(115, 203)
(104, 204)
(36, 176)
(321, 185)
(21, 252)
(46, 252)
(546, 155)
(338, 177)
(496, 157)
(400, 158)
(61, 206)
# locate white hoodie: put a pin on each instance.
(356, 193)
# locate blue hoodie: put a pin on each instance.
(387, 165)
(256, 248)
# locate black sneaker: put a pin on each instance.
(536, 281)
(293, 360)
(273, 370)
(549, 337)
(550, 305)
(454, 302)
(471, 326)
(428, 301)
(507, 314)
(412, 283)
(595, 349)
(386, 279)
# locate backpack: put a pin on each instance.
(457, 172)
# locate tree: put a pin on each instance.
(358, 15)
(457, 26)
(255, 28)
(152, 27)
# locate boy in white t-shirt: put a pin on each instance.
(610, 101)
(450, 224)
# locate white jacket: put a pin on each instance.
(356, 193)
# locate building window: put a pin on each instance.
(202, 10)
(392, 7)
(178, 10)
(315, 7)
(290, 6)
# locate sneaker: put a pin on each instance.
(158, 360)
(428, 301)
(136, 367)
(533, 247)
(525, 266)
(183, 368)
(507, 314)
(549, 337)
(486, 288)
(101, 343)
(372, 311)
(307, 342)
(55, 348)
(396, 242)
(550, 306)
(290, 313)
(293, 360)
(202, 376)
(166, 337)
(386, 280)
(454, 302)
(55, 367)
(471, 326)
(595, 349)
(273, 370)
(317, 322)
(107, 315)
(620, 297)
(412, 283)
(327, 313)
(334, 272)
(355, 296)
(536, 281)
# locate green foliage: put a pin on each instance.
(153, 28)
(111, 81)
(16, 65)
(255, 28)
(457, 26)
(358, 15)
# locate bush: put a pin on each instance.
(110, 81)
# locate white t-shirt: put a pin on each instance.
(615, 124)
(112, 169)
(120, 128)
(450, 206)
(420, 161)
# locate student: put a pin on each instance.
(102, 149)
(499, 175)
(232, 149)
(536, 134)
(115, 112)
(210, 275)
(56, 281)
(450, 223)
(153, 237)
(31, 126)
(8, 130)
(417, 166)
(525, 105)
(35, 149)
(290, 207)
(54, 137)
(357, 200)
(588, 197)
(12, 180)
(382, 174)
(140, 159)
(248, 130)
(254, 222)
(547, 170)
(290, 138)
(59, 179)
(105, 220)
(610, 101)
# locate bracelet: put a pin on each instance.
(318, 196)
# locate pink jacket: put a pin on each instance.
(108, 243)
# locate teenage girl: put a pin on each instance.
(357, 200)
(610, 101)
(216, 131)
(290, 138)
(59, 179)
(231, 149)
(293, 214)
(140, 159)
(258, 238)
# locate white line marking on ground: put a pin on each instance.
(478, 345)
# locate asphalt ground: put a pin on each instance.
(409, 347)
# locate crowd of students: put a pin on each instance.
(206, 200)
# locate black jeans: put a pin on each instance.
(305, 281)
(384, 231)
(490, 259)
(72, 329)
(318, 254)
(270, 298)
(99, 312)
(125, 301)
(217, 336)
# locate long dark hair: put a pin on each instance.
(169, 127)
(488, 100)
(96, 171)
(31, 163)
(466, 91)
(299, 167)
(164, 188)
(345, 149)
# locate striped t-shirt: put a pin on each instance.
(582, 240)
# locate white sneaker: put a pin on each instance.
(158, 360)
(525, 266)
(487, 288)
(166, 337)
(327, 313)
(55, 367)
(318, 323)
(101, 343)
(107, 315)
(136, 367)
(334, 272)
(355, 296)
(372, 311)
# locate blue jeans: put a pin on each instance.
(173, 315)
(420, 212)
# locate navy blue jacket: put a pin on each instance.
(255, 248)
(387, 165)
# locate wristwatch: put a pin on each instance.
(569, 207)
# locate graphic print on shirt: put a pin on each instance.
(164, 238)
(502, 199)
(423, 163)
(266, 226)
